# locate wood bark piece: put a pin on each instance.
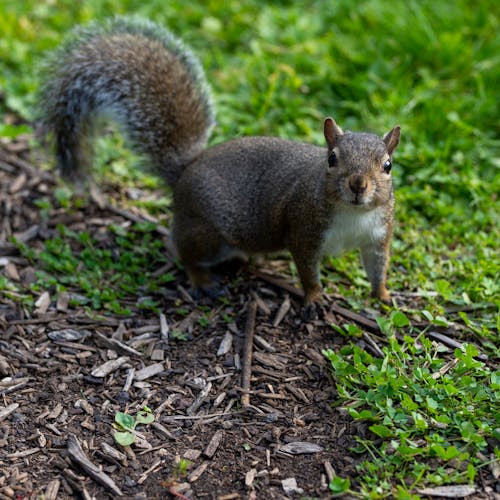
(111, 452)
(282, 311)
(214, 444)
(109, 367)
(52, 490)
(164, 328)
(202, 396)
(247, 352)
(453, 491)
(330, 471)
(290, 486)
(226, 343)
(300, 448)
(149, 371)
(117, 345)
(76, 454)
(196, 474)
(249, 477)
(262, 342)
(357, 318)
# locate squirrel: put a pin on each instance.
(244, 196)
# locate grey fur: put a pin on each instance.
(129, 69)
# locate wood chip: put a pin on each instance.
(42, 303)
(149, 371)
(11, 272)
(214, 444)
(68, 335)
(111, 452)
(226, 343)
(192, 454)
(271, 360)
(18, 183)
(164, 329)
(202, 396)
(55, 412)
(300, 448)
(263, 343)
(52, 490)
(330, 471)
(250, 477)
(229, 496)
(63, 302)
(76, 454)
(196, 474)
(282, 311)
(290, 486)
(455, 491)
(109, 367)
(5, 412)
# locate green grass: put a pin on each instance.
(279, 68)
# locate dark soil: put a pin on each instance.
(50, 391)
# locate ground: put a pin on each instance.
(67, 371)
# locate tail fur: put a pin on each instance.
(141, 76)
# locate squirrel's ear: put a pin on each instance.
(332, 131)
(391, 139)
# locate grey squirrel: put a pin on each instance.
(247, 195)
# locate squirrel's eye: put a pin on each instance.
(387, 166)
(332, 159)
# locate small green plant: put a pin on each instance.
(178, 335)
(339, 485)
(125, 424)
(181, 468)
(424, 409)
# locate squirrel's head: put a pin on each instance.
(359, 166)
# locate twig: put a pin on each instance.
(77, 455)
(452, 343)
(357, 318)
(199, 417)
(247, 352)
(280, 283)
(371, 342)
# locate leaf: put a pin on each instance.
(381, 430)
(125, 420)
(444, 289)
(339, 485)
(124, 438)
(144, 417)
(384, 324)
(399, 319)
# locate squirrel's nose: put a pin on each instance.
(358, 184)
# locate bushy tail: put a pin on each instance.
(141, 76)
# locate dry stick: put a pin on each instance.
(76, 454)
(247, 352)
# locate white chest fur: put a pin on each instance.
(352, 228)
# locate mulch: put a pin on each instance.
(249, 401)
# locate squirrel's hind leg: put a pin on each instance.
(200, 247)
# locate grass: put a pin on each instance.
(278, 68)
